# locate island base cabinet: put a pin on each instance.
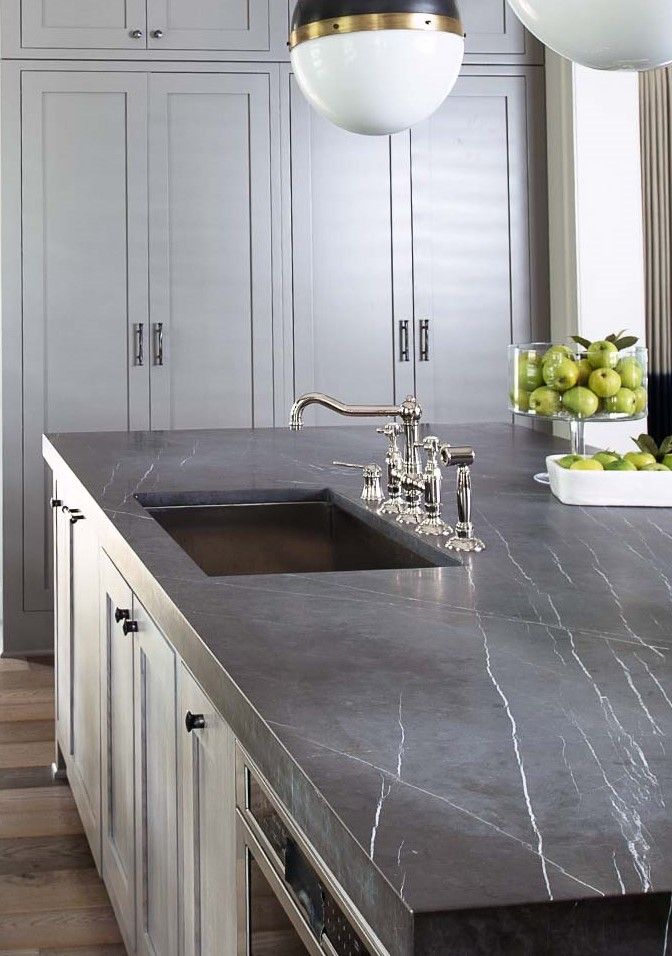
(155, 789)
(118, 754)
(207, 801)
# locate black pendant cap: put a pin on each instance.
(310, 11)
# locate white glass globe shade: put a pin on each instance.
(603, 34)
(377, 82)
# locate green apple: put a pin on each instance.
(545, 401)
(587, 464)
(568, 460)
(605, 382)
(520, 400)
(561, 374)
(655, 467)
(585, 369)
(581, 402)
(667, 461)
(606, 457)
(623, 402)
(622, 464)
(603, 354)
(530, 372)
(631, 372)
(563, 351)
(640, 459)
(641, 400)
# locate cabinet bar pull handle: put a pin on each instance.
(140, 343)
(424, 340)
(194, 721)
(158, 343)
(404, 342)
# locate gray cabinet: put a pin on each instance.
(211, 289)
(495, 34)
(155, 789)
(105, 24)
(78, 658)
(418, 258)
(479, 245)
(208, 842)
(145, 206)
(118, 748)
(208, 24)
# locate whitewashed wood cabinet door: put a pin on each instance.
(479, 242)
(85, 284)
(84, 759)
(102, 24)
(118, 748)
(208, 838)
(155, 789)
(345, 335)
(211, 295)
(208, 25)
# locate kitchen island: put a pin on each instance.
(477, 752)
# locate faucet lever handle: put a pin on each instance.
(372, 491)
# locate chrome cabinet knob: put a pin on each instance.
(157, 34)
(136, 34)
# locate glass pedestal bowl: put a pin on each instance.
(558, 383)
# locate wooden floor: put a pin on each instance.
(52, 901)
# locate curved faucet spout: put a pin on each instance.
(356, 411)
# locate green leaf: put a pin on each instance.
(581, 341)
(647, 443)
(626, 342)
(666, 446)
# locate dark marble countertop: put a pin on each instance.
(479, 752)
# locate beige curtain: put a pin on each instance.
(656, 125)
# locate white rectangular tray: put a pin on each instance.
(622, 489)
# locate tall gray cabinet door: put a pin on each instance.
(84, 275)
(210, 251)
(208, 24)
(208, 807)
(341, 261)
(492, 30)
(103, 24)
(477, 251)
(117, 736)
(155, 789)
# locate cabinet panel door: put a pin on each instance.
(99, 24)
(210, 251)
(84, 765)
(155, 789)
(208, 24)
(493, 29)
(63, 632)
(118, 763)
(207, 780)
(341, 262)
(477, 257)
(84, 275)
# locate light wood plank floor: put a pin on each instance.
(52, 901)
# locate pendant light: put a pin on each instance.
(376, 66)
(603, 34)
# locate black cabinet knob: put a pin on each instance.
(56, 502)
(74, 518)
(194, 721)
(129, 627)
(121, 614)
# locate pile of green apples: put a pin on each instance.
(612, 461)
(581, 384)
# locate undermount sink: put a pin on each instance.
(277, 535)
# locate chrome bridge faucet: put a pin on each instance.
(407, 482)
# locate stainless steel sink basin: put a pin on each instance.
(317, 534)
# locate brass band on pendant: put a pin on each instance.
(374, 21)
